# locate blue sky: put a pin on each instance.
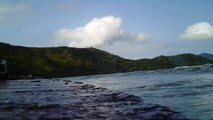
(130, 29)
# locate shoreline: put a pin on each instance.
(12, 76)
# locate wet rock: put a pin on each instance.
(78, 83)
(35, 81)
(66, 81)
(87, 86)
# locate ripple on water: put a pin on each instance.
(64, 99)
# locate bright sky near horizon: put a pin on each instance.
(128, 28)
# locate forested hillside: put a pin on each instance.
(65, 61)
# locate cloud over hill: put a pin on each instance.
(98, 32)
(198, 31)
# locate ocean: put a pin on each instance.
(187, 89)
(179, 93)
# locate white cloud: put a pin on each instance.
(98, 32)
(198, 31)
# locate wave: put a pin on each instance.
(199, 68)
(66, 99)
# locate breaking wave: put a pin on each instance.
(199, 68)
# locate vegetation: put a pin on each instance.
(65, 61)
(206, 55)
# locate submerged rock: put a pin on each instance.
(63, 99)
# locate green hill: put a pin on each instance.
(65, 61)
(207, 55)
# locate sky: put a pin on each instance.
(132, 29)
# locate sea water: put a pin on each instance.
(187, 89)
